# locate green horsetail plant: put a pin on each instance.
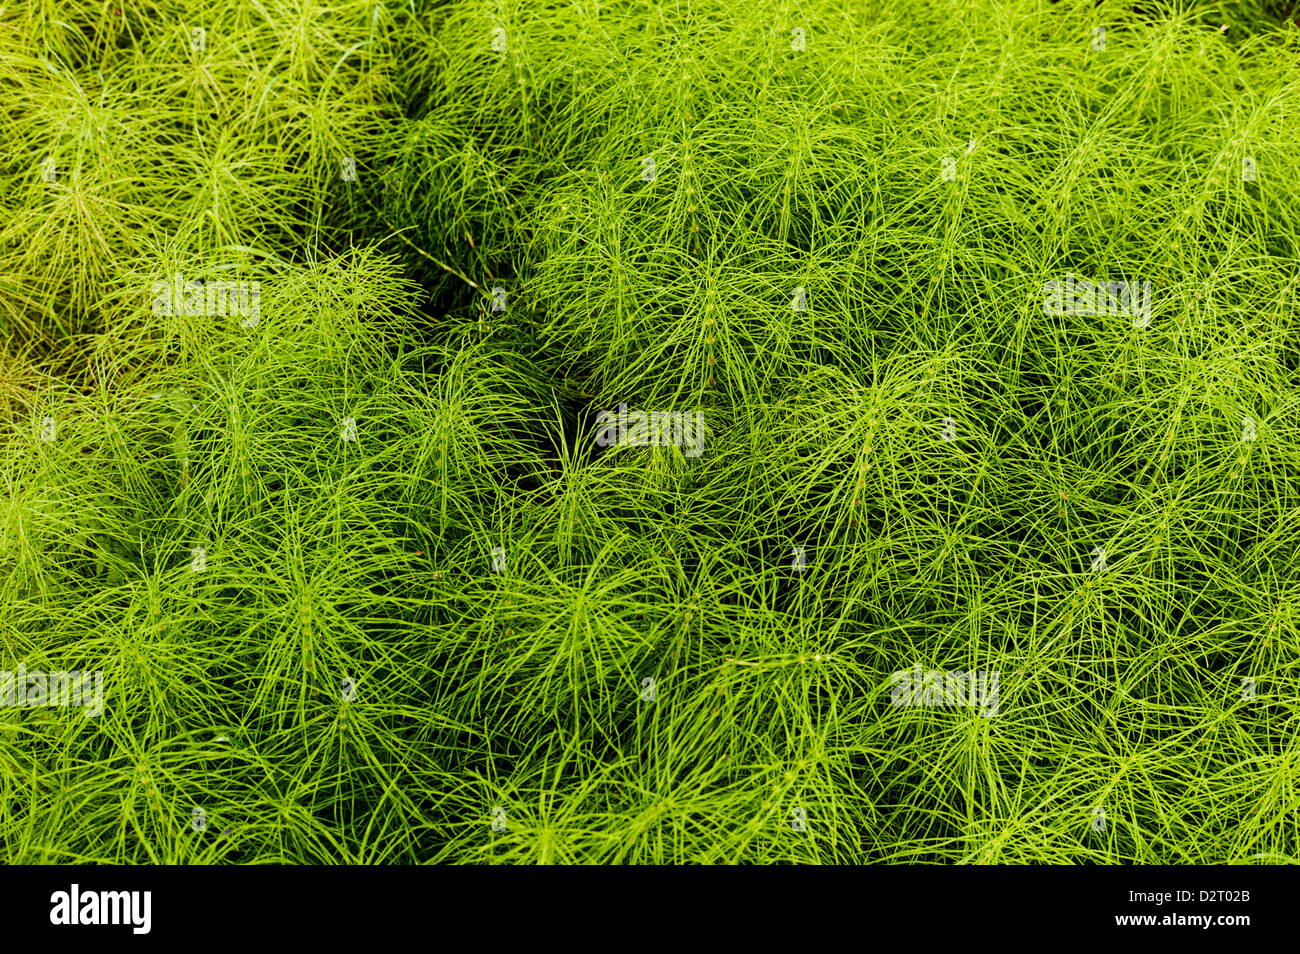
(517, 433)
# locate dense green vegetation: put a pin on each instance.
(365, 585)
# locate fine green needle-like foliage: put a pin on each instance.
(368, 582)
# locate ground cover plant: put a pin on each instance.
(372, 573)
